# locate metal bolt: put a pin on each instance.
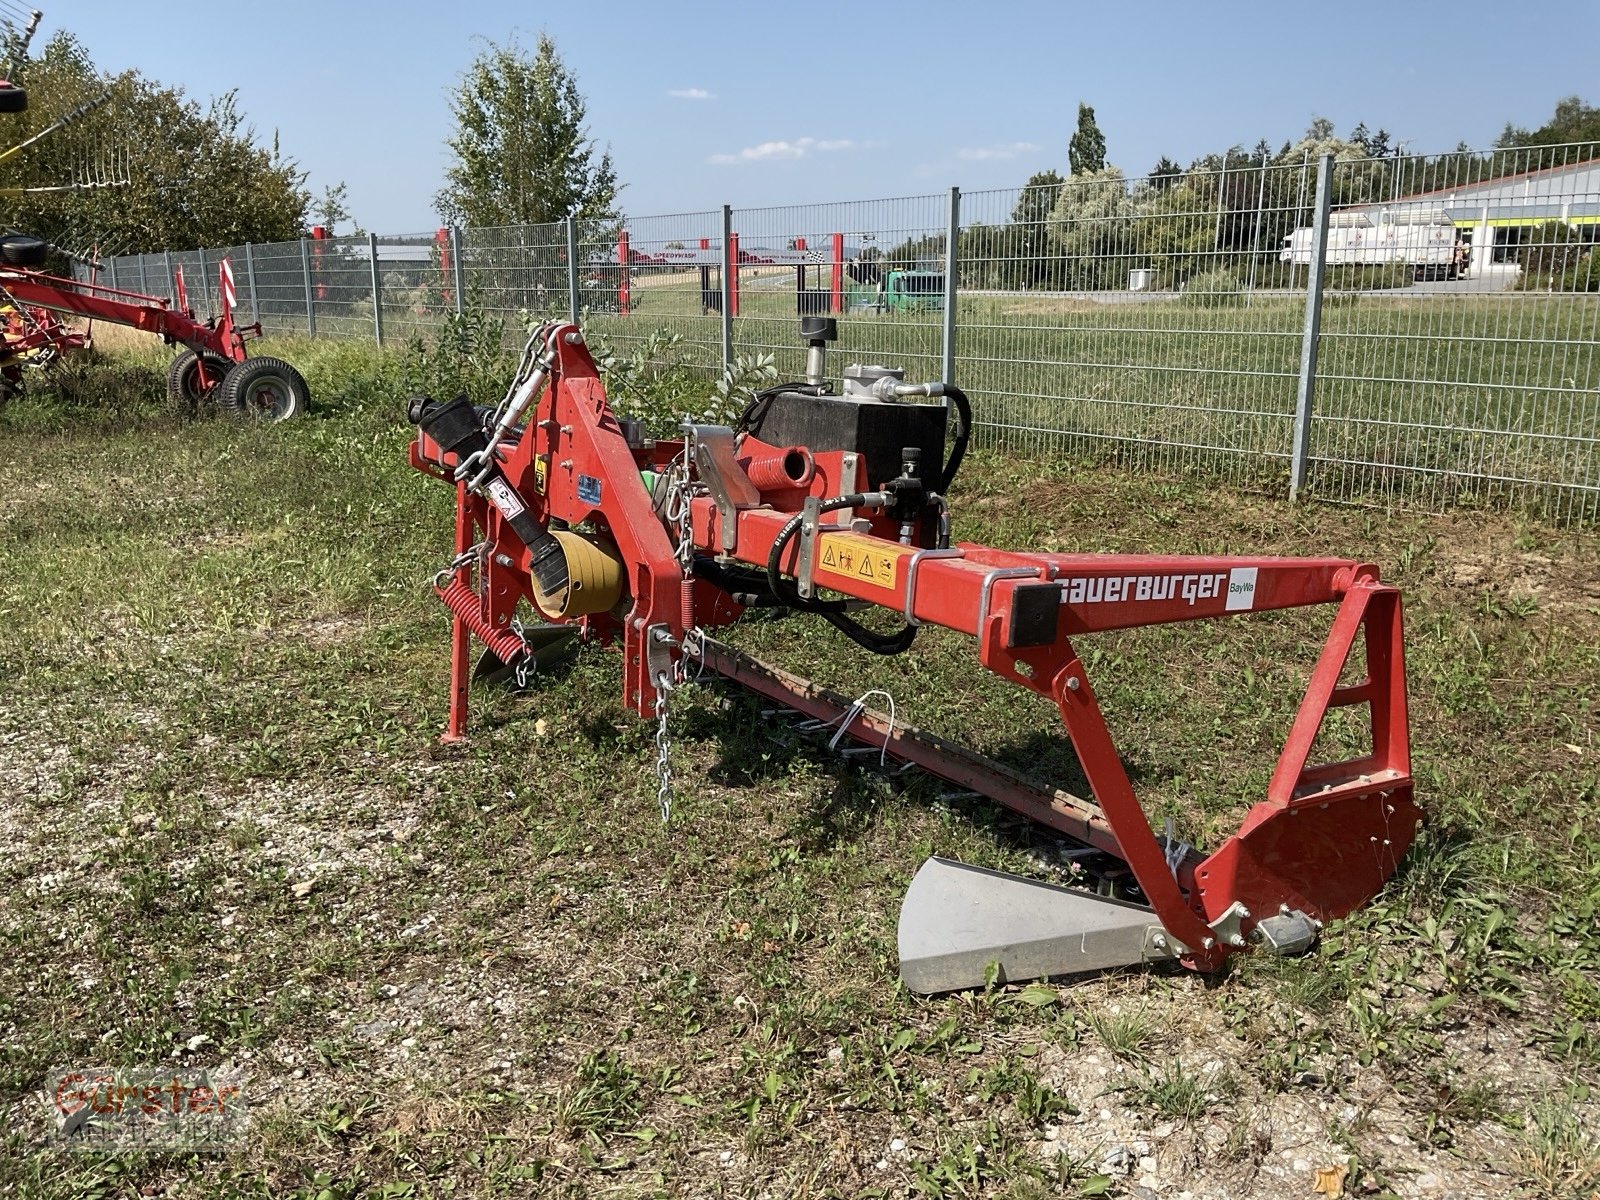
(574, 338)
(1208, 944)
(1159, 942)
(1072, 683)
(1237, 940)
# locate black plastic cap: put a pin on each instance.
(819, 329)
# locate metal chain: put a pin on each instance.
(466, 556)
(663, 762)
(676, 514)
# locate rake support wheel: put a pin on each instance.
(265, 390)
(184, 388)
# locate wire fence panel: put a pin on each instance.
(671, 287)
(341, 286)
(281, 288)
(878, 263)
(415, 290)
(516, 272)
(1443, 346)
(1145, 320)
(1475, 371)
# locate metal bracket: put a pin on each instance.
(805, 564)
(849, 473)
(1159, 944)
(658, 647)
(718, 469)
(1229, 928)
(1290, 932)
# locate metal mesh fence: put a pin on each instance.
(879, 262)
(1146, 319)
(1431, 322)
(1475, 372)
(671, 286)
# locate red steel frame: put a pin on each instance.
(1323, 841)
(116, 306)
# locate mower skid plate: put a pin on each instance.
(958, 923)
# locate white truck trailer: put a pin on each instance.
(1425, 240)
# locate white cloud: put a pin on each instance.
(1004, 150)
(690, 94)
(780, 151)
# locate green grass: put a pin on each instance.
(225, 815)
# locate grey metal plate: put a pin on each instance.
(956, 920)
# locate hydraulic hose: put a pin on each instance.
(958, 449)
(831, 611)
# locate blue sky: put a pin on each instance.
(705, 103)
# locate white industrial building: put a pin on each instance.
(1494, 217)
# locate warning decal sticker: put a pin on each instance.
(505, 499)
(863, 560)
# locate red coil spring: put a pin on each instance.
(460, 599)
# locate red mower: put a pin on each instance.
(826, 502)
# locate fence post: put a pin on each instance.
(572, 269)
(166, 265)
(952, 270)
(1308, 343)
(458, 276)
(111, 271)
(377, 291)
(144, 284)
(727, 286)
(250, 280)
(311, 297)
(205, 291)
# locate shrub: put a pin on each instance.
(1216, 288)
(1367, 277)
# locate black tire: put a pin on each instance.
(183, 380)
(264, 390)
(13, 99)
(21, 250)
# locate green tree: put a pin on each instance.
(1573, 121)
(522, 153)
(1165, 174)
(1092, 227)
(333, 208)
(1086, 153)
(1030, 242)
(147, 170)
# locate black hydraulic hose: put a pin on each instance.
(958, 450)
(755, 412)
(831, 611)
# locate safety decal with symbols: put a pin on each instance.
(861, 559)
(505, 499)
